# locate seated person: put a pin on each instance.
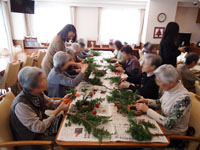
(188, 77)
(58, 81)
(131, 66)
(27, 118)
(151, 62)
(83, 53)
(76, 50)
(175, 102)
(148, 48)
(118, 51)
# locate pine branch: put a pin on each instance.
(109, 60)
(89, 60)
(99, 73)
(94, 81)
(90, 69)
(91, 123)
(71, 91)
(115, 80)
(112, 68)
(95, 53)
(139, 130)
(85, 105)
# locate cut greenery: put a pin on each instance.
(112, 68)
(99, 73)
(109, 60)
(95, 53)
(115, 80)
(139, 130)
(91, 123)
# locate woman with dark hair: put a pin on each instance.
(68, 33)
(131, 66)
(169, 44)
(118, 51)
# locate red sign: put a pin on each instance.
(158, 32)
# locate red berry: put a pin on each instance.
(101, 61)
(97, 105)
(116, 103)
(94, 112)
(91, 95)
(102, 92)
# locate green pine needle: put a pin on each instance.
(71, 91)
(91, 123)
(139, 130)
(112, 68)
(94, 81)
(109, 60)
(99, 73)
(115, 80)
(95, 53)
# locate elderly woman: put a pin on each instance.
(151, 62)
(75, 52)
(175, 102)
(68, 33)
(58, 81)
(131, 67)
(82, 52)
(27, 118)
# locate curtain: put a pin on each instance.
(49, 19)
(142, 13)
(99, 25)
(120, 24)
(73, 14)
(5, 29)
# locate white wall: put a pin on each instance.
(18, 26)
(186, 18)
(86, 22)
(154, 7)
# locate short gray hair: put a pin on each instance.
(74, 46)
(60, 58)
(155, 60)
(167, 73)
(29, 77)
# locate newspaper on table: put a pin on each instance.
(118, 124)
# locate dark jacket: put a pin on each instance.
(148, 87)
(133, 70)
(169, 51)
(58, 82)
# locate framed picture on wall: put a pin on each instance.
(158, 32)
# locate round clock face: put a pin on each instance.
(162, 17)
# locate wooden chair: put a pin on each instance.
(10, 75)
(197, 87)
(6, 138)
(28, 61)
(194, 122)
(39, 58)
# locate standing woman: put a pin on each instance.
(58, 44)
(169, 44)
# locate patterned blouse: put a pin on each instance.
(176, 106)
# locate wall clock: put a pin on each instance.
(162, 17)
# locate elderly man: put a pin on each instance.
(58, 81)
(27, 118)
(175, 102)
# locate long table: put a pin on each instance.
(66, 139)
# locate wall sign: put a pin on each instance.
(158, 32)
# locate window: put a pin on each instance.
(120, 24)
(49, 19)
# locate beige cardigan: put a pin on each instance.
(56, 45)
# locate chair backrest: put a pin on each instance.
(28, 61)
(5, 104)
(197, 87)
(40, 57)
(195, 119)
(10, 75)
